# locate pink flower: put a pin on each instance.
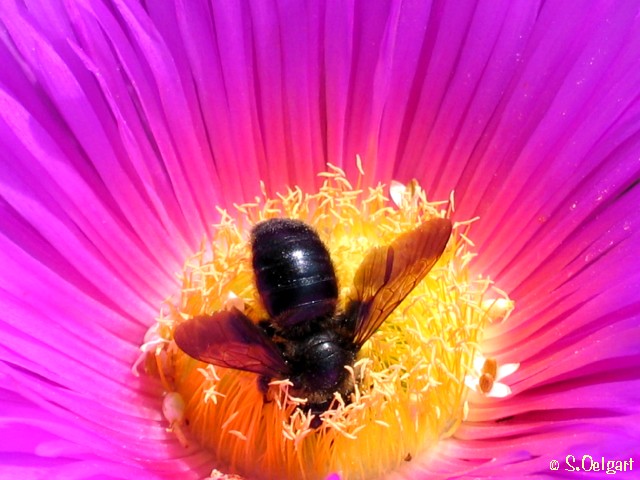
(124, 125)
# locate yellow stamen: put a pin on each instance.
(409, 378)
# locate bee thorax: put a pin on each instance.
(321, 359)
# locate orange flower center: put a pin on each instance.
(410, 376)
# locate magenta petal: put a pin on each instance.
(124, 125)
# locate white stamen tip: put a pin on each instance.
(233, 301)
(498, 309)
(397, 191)
(487, 376)
(173, 407)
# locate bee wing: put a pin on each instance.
(388, 274)
(230, 339)
(306, 312)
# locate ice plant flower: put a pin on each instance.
(408, 378)
(126, 128)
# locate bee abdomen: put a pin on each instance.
(293, 268)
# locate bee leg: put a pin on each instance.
(263, 387)
(267, 328)
(316, 422)
(317, 409)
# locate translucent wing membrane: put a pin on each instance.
(388, 274)
(230, 339)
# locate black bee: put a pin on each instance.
(305, 339)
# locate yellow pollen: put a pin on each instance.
(490, 367)
(409, 377)
(486, 382)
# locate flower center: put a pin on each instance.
(409, 377)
